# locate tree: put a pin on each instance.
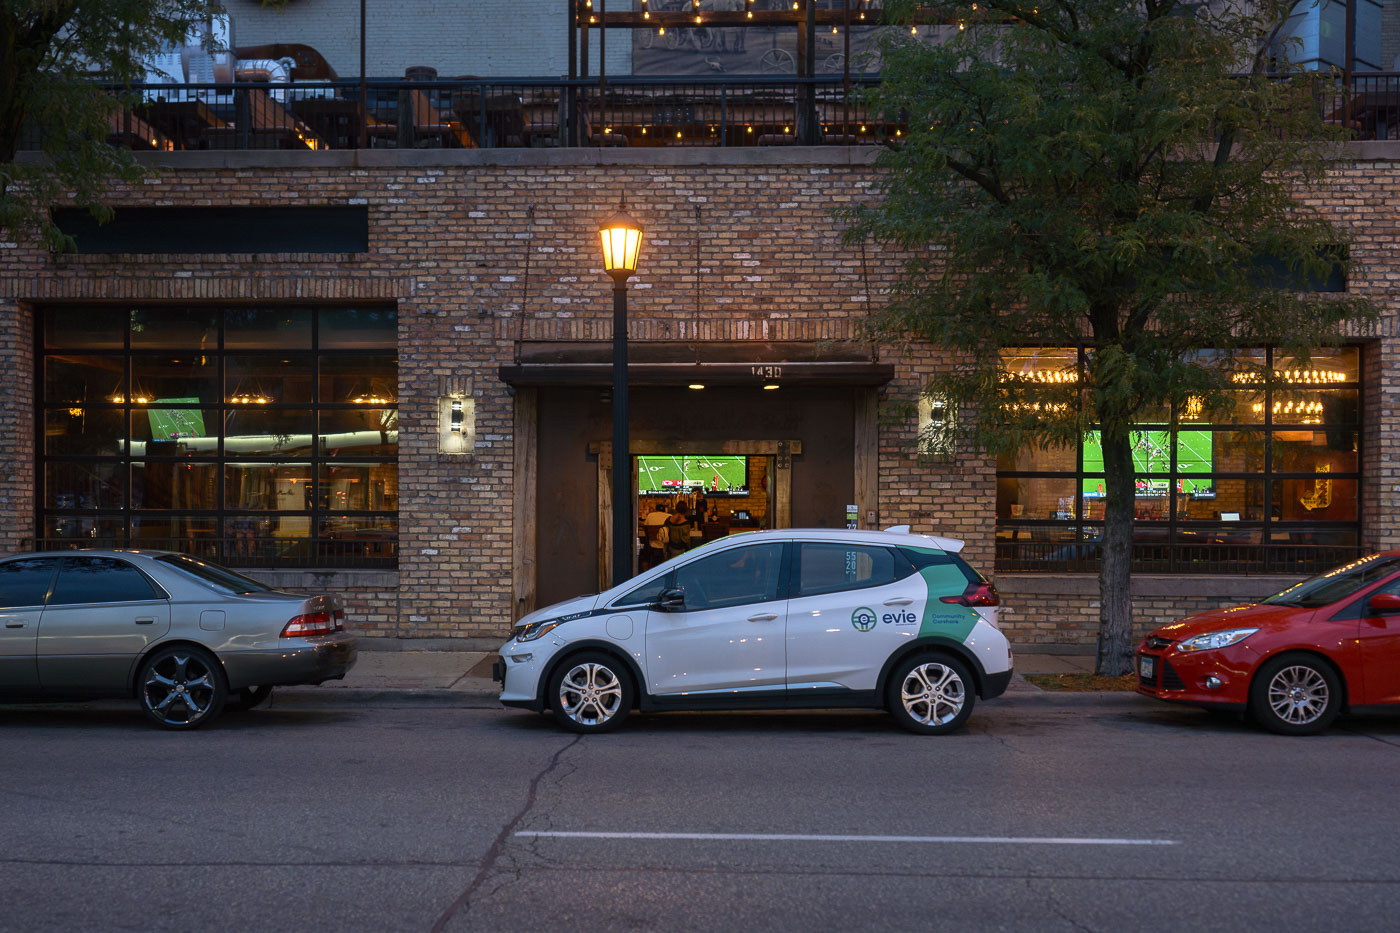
(55, 56)
(1123, 177)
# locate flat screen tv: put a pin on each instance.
(1152, 454)
(711, 475)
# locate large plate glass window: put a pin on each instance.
(254, 435)
(1269, 485)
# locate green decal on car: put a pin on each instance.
(863, 619)
(947, 620)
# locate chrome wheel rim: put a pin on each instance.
(590, 694)
(179, 689)
(1298, 695)
(933, 694)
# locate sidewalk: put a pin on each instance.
(463, 678)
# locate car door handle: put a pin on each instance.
(764, 617)
(898, 601)
(14, 625)
(146, 621)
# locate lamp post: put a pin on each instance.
(622, 244)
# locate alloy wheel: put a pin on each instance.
(179, 689)
(1298, 695)
(933, 693)
(590, 694)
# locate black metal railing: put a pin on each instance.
(487, 114)
(252, 552)
(1179, 555)
(542, 112)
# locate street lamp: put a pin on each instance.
(622, 244)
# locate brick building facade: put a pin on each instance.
(484, 253)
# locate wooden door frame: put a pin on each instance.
(782, 452)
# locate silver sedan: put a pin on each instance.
(179, 634)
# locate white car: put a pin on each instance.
(784, 619)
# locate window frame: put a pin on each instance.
(1173, 542)
(372, 534)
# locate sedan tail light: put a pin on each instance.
(314, 623)
(976, 594)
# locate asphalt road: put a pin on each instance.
(420, 817)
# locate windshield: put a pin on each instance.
(1327, 588)
(217, 577)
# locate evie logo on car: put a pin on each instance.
(899, 618)
(863, 619)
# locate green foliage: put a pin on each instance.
(1103, 173)
(53, 54)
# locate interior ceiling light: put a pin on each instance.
(697, 385)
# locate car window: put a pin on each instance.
(646, 594)
(733, 577)
(214, 575)
(25, 582)
(1361, 608)
(929, 557)
(831, 566)
(100, 580)
(1327, 588)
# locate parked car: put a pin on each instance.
(771, 620)
(1294, 660)
(179, 634)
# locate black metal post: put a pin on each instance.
(364, 90)
(624, 530)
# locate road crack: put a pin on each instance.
(498, 846)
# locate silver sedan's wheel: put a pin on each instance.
(590, 693)
(931, 694)
(181, 687)
(1295, 695)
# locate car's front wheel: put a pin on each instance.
(181, 687)
(590, 692)
(1295, 694)
(931, 694)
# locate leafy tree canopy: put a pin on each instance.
(1113, 175)
(54, 54)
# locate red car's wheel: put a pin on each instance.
(1295, 694)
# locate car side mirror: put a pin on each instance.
(1385, 602)
(671, 600)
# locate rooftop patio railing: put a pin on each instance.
(492, 114)
(553, 112)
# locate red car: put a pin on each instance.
(1294, 660)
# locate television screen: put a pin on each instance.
(713, 476)
(1152, 454)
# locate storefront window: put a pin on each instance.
(1271, 485)
(258, 436)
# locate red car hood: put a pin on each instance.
(1254, 615)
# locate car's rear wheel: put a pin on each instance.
(590, 692)
(181, 687)
(1295, 694)
(250, 697)
(931, 694)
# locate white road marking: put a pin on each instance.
(807, 837)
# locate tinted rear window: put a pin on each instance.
(927, 557)
(25, 582)
(213, 575)
(99, 580)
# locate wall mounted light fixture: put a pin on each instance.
(456, 419)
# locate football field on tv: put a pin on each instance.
(690, 474)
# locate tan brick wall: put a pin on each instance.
(449, 242)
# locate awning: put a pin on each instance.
(658, 363)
